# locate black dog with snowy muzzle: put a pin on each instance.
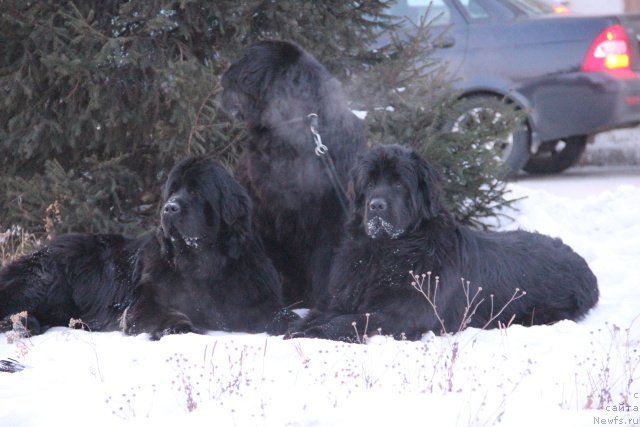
(407, 266)
(202, 269)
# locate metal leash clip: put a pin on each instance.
(321, 149)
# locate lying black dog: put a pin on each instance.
(399, 231)
(297, 211)
(202, 269)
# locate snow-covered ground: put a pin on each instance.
(617, 147)
(568, 374)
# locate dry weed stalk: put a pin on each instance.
(616, 373)
(53, 216)
(19, 333)
(78, 324)
(472, 302)
(15, 243)
(365, 337)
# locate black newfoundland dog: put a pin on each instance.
(202, 269)
(297, 211)
(399, 231)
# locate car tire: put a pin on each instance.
(556, 156)
(516, 149)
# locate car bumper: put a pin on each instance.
(575, 104)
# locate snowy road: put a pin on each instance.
(579, 182)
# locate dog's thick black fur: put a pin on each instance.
(201, 269)
(273, 88)
(79, 276)
(398, 225)
(205, 269)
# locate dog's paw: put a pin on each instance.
(281, 322)
(173, 323)
(315, 332)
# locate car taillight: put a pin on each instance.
(609, 52)
(560, 9)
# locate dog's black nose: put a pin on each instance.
(171, 208)
(378, 204)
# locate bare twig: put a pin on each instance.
(430, 294)
(472, 302)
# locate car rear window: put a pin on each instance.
(414, 9)
(480, 9)
(529, 7)
(475, 9)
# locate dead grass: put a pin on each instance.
(16, 242)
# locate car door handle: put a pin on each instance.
(443, 42)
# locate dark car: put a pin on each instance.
(573, 76)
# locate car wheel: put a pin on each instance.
(556, 156)
(478, 111)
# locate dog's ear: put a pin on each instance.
(294, 89)
(429, 187)
(355, 194)
(235, 214)
(356, 184)
(247, 75)
(255, 72)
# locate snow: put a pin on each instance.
(377, 225)
(568, 374)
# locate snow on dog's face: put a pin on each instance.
(204, 206)
(393, 191)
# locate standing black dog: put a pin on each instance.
(273, 88)
(202, 269)
(398, 226)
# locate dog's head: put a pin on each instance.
(275, 82)
(393, 192)
(204, 205)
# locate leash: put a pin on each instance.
(322, 151)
